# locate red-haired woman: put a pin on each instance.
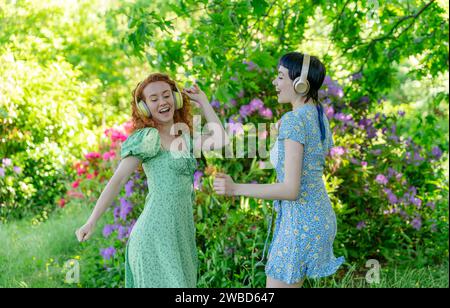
(161, 251)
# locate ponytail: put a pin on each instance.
(321, 125)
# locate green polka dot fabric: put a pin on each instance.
(161, 251)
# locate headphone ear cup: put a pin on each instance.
(143, 109)
(301, 87)
(178, 99)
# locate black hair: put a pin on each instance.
(293, 61)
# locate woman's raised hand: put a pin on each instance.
(196, 95)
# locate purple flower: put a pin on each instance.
(431, 204)
(241, 94)
(122, 232)
(392, 198)
(233, 102)
(361, 225)
(337, 151)
(391, 172)
(215, 104)
(256, 104)
(245, 110)
(327, 81)
(416, 201)
(107, 230)
(381, 179)
(329, 111)
(416, 223)
(357, 76)
(235, 127)
(129, 188)
(417, 157)
(125, 208)
(371, 132)
(437, 152)
(363, 123)
(364, 99)
(354, 161)
(323, 94)
(364, 164)
(17, 170)
(116, 213)
(335, 90)
(197, 179)
(266, 113)
(376, 152)
(2, 172)
(107, 253)
(6, 162)
(250, 65)
(401, 113)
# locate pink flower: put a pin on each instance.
(115, 136)
(92, 155)
(337, 151)
(76, 184)
(381, 179)
(256, 104)
(62, 202)
(75, 194)
(127, 126)
(109, 155)
(263, 134)
(266, 113)
(80, 170)
(329, 111)
(89, 176)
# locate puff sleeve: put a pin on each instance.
(292, 127)
(143, 143)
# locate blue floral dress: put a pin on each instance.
(305, 229)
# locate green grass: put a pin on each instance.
(33, 256)
(405, 276)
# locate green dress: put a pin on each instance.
(161, 251)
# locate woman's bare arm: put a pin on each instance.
(287, 190)
(217, 137)
(123, 172)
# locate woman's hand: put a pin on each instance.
(196, 95)
(85, 232)
(224, 185)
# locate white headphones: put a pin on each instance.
(301, 84)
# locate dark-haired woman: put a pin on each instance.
(305, 227)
